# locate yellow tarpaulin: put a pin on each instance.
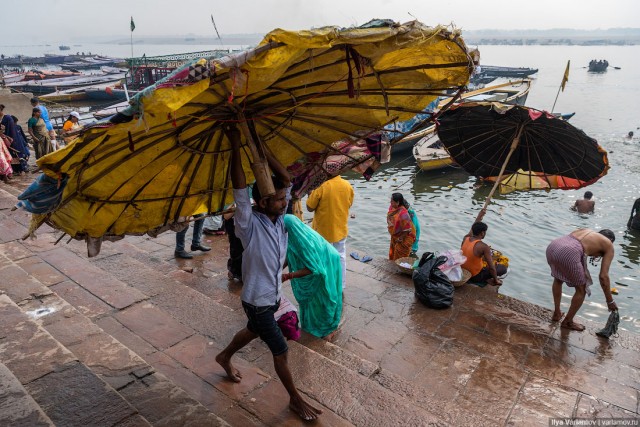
(166, 157)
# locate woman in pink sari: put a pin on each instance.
(5, 156)
(401, 228)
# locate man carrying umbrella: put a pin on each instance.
(264, 238)
(567, 257)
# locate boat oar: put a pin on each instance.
(617, 68)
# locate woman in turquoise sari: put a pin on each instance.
(316, 277)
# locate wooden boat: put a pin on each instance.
(598, 66)
(91, 62)
(12, 77)
(430, 154)
(44, 75)
(564, 116)
(41, 87)
(487, 73)
(108, 93)
(68, 95)
(512, 92)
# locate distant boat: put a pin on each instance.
(598, 66)
(487, 73)
(63, 47)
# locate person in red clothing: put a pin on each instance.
(475, 250)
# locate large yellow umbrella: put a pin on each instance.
(166, 157)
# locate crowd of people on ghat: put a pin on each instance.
(40, 137)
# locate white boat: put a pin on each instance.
(12, 77)
(430, 153)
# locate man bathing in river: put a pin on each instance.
(264, 240)
(567, 257)
(585, 205)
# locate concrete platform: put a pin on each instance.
(137, 322)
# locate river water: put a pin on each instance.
(520, 224)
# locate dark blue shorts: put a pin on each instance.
(262, 323)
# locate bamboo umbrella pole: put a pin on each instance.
(514, 145)
(259, 165)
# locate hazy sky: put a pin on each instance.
(51, 20)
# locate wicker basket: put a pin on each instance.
(408, 260)
(466, 275)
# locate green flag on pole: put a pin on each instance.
(133, 26)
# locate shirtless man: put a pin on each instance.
(567, 257)
(264, 238)
(586, 205)
(475, 250)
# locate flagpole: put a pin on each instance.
(216, 30)
(133, 27)
(565, 79)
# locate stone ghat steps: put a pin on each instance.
(78, 374)
(438, 360)
(215, 319)
(393, 361)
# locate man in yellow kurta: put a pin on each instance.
(330, 203)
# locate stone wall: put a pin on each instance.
(17, 104)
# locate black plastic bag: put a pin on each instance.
(433, 287)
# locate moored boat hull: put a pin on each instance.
(435, 163)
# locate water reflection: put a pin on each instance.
(631, 246)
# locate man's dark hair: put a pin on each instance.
(277, 184)
(478, 227)
(588, 195)
(608, 234)
(34, 100)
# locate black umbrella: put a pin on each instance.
(520, 147)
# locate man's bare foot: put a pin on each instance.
(303, 409)
(233, 373)
(557, 315)
(573, 326)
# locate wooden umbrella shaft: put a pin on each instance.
(514, 145)
(259, 165)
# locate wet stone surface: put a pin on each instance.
(159, 322)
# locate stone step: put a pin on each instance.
(432, 358)
(152, 396)
(17, 407)
(66, 390)
(197, 353)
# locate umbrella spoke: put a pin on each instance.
(192, 155)
(214, 164)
